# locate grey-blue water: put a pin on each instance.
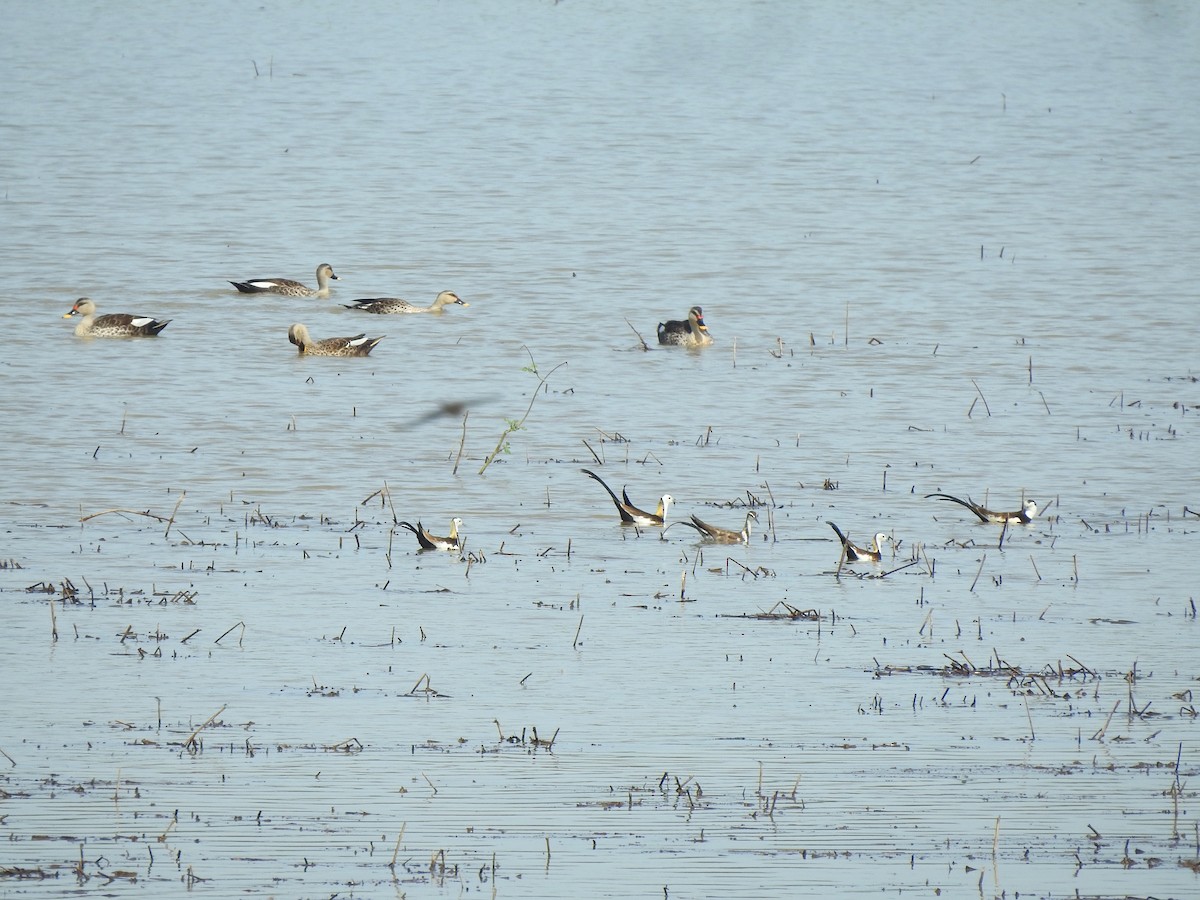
(941, 248)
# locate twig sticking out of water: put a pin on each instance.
(396, 851)
(132, 512)
(461, 443)
(1099, 735)
(977, 574)
(645, 346)
(9, 758)
(986, 408)
(192, 743)
(171, 521)
(518, 424)
(242, 625)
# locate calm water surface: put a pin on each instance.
(942, 248)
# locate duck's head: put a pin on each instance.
(83, 307)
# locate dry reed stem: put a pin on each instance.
(977, 574)
(191, 741)
(986, 408)
(396, 851)
(171, 521)
(462, 441)
(575, 643)
(1099, 734)
(222, 637)
(12, 761)
(132, 512)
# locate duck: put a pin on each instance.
(690, 333)
(287, 287)
(722, 535)
(1023, 516)
(359, 345)
(388, 305)
(855, 553)
(112, 324)
(433, 542)
(630, 514)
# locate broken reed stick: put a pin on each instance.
(132, 512)
(579, 628)
(396, 852)
(977, 574)
(388, 492)
(1029, 718)
(986, 408)
(9, 758)
(53, 622)
(1103, 728)
(222, 637)
(461, 443)
(171, 521)
(191, 741)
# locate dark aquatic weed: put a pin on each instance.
(781, 611)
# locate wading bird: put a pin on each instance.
(1022, 516)
(854, 553)
(722, 535)
(432, 541)
(629, 513)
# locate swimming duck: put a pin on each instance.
(386, 305)
(690, 333)
(112, 324)
(630, 514)
(1022, 516)
(855, 553)
(433, 542)
(359, 345)
(287, 287)
(723, 535)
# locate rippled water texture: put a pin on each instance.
(940, 248)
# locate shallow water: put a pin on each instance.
(939, 250)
